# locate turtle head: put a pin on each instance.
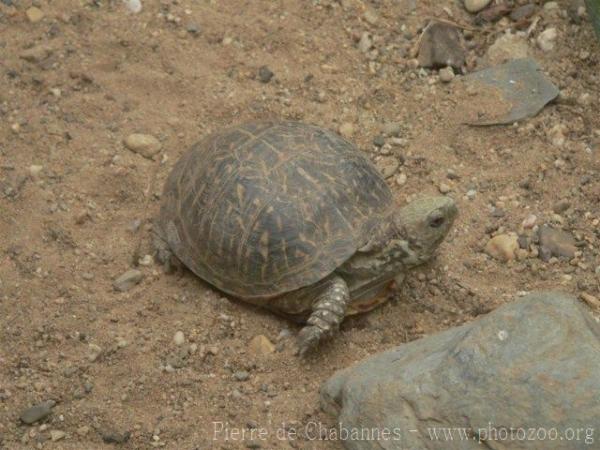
(422, 225)
(408, 238)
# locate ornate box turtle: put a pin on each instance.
(296, 219)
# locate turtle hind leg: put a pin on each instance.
(328, 311)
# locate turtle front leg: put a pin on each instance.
(164, 255)
(328, 311)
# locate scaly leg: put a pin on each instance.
(328, 312)
(164, 254)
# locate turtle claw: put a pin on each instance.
(308, 338)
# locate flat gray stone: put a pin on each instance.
(533, 364)
(521, 84)
(37, 412)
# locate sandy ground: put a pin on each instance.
(74, 84)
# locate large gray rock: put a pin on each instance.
(532, 365)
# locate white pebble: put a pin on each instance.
(444, 188)
(365, 43)
(346, 130)
(179, 338)
(401, 179)
(147, 260)
(35, 170)
(529, 222)
(446, 75)
(135, 6)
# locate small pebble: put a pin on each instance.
(585, 99)
(401, 179)
(561, 206)
(546, 39)
(522, 12)
(193, 28)
(441, 46)
(135, 6)
(452, 175)
(555, 242)
(37, 412)
(114, 437)
(529, 221)
(36, 54)
(365, 43)
(388, 165)
(261, 345)
(474, 6)
(241, 375)
(503, 247)
(146, 260)
(507, 47)
(143, 144)
(179, 338)
(35, 170)
(94, 352)
(379, 141)
(34, 14)
(128, 280)
(446, 74)
(444, 188)
(370, 16)
(57, 435)
(523, 242)
(346, 130)
(265, 74)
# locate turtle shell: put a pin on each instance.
(265, 208)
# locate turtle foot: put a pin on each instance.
(308, 338)
(164, 255)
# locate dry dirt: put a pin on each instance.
(68, 230)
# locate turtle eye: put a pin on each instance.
(437, 221)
